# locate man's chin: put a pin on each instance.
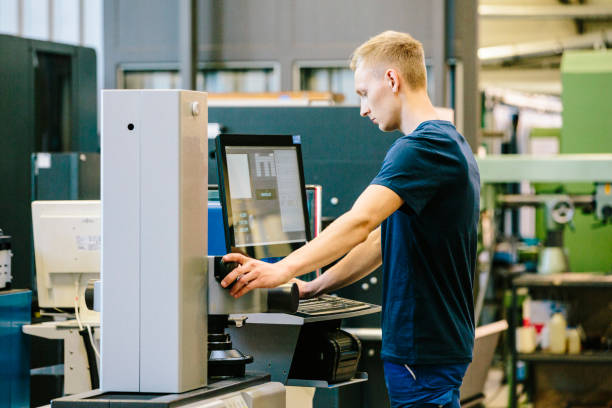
(384, 128)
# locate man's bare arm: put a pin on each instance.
(373, 206)
(359, 262)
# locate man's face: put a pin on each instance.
(378, 101)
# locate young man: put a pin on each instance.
(418, 218)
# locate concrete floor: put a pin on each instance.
(496, 393)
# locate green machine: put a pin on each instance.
(587, 128)
(591, 171)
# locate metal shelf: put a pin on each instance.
(602, 357)
(563, 282)
(578, 280)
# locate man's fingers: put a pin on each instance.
(249, 279)
(232, 276)
(235, 257)
(242, 268)
(241, 281)
(246, 289)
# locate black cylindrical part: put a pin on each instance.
(89, 296)
(284, 298)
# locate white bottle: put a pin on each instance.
(573, 341)
(557, 330)
(544, 337)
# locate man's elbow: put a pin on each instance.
(362, 227)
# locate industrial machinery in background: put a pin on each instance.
(499, 218)
(5, 261)
(49, 104)
(15, 309)
(558, 214)
(512, 266)
(48, 95)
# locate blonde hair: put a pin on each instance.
(400, 50)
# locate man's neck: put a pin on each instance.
(416, 109)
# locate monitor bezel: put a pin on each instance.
(264, 140)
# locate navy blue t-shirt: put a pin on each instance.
(429, 247)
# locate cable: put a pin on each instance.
(76, 302)
(93, 343)
(76, 313)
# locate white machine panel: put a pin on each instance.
(154, 180)
(66, 249)
(120, 368)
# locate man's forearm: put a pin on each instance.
(372, 207)
(359, 262)
(336, 240)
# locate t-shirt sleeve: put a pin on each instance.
(414, 171)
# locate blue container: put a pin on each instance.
(14, 349)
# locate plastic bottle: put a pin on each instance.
(573, 341)
(527, 311)
(544, 337)
(558, 333)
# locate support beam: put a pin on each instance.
(499, 53)
(588, 11)
(188, 43)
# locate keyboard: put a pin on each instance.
(327, 304)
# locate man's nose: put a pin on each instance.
(364, 110)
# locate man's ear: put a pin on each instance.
(392, 79)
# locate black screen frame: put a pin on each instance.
(264, 140)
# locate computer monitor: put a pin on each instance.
(261, 183)
(67, 241)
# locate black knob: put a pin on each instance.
(222, 269)
(284, 298)
(89, 296)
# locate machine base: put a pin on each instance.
(97, 398)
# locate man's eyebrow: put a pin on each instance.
(359, 91)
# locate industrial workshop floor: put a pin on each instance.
(496, 393)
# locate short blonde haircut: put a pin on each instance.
(399, 50)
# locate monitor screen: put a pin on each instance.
(67, 244)
(262, 194)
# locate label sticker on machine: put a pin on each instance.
(297, 139)
(88, 242)
(43, 161)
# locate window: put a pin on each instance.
(216, 78)
(336, 77)
(331, 79)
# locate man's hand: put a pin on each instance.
(253, 274)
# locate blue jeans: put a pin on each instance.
(420, 386)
